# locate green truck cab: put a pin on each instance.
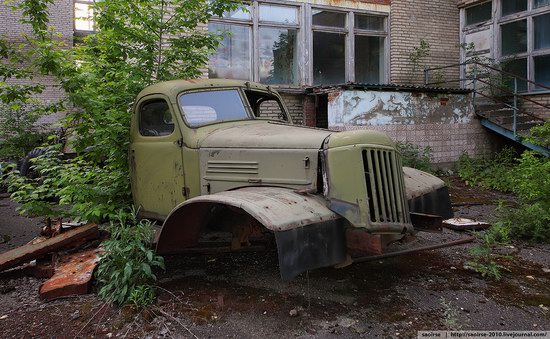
(224, 156)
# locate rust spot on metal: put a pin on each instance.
(73, 276)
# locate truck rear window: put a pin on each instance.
(201, 108)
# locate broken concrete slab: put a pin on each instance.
(463, 224)
(32, 251)
(73, 275)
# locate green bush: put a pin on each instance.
(489, 172)
(73, 188)
(125, 271)
(18, 131)
(529, 177)
(540, 135)
(416, 156)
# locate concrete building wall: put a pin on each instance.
(445, 122)
(61, 19)
(437, 22)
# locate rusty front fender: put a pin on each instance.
(308, 234)
(277, 209)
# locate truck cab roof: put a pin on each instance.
(174, 87)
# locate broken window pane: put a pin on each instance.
(278, 56)
(542, 70)
(369, 59)
(242, 13)
(516, 67)
(479, 13)
(514, 37)
(513, 6)
(540, 3)
(83, 16)
(329, 55)
(232, 58)
(373, 23)
(542, 31)
(279, 14)
(326, 18)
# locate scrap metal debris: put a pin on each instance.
(35, 250)
(73, 275)
(65, 253)
(463, 224)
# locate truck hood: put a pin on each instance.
(265, 134)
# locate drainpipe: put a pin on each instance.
(474, 85)
(426, 76)
(514, 127)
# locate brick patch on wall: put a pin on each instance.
(437, 22)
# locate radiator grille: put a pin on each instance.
(385, 186)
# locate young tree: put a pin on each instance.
(136, 43)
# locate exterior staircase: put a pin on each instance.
(501, 113)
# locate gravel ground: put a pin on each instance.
(242, 296)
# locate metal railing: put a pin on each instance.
(476, 76)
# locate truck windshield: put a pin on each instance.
(201, 108)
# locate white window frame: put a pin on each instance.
(531, 52)
(305, 38)
(496, 23)
(82, 32)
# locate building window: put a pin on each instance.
(297, 44)
(369, 49)
(232, 59)
(513, 6)
(83, 17)
(479, 13)
(278, 28)
(525, 41)
(329, 47)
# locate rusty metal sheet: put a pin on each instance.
(278, 209)
(426, 222)
(26, 253)
(73, 275)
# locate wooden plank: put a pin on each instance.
(26, 253)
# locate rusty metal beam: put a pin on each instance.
(464, 240)
(26, 253)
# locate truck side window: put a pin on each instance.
(155, 119)
(265, 105)
(270, 109)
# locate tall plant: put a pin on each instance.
(137, 43)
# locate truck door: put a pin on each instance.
(156, 163)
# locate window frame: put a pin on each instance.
(480, 23)
(239, 90)
(530, 53)
(83, 32)
(305, 30)
(153, 99)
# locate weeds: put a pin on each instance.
(417, 55)
(483, 259)
(416, 156)
(493, 173)
(125, 272)
(450, 316)
(528, 176)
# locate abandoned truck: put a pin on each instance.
(224, 156)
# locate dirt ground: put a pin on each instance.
(242, 296)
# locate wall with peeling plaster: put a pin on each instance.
(367, 108)
(445, 122)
